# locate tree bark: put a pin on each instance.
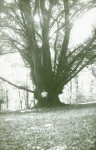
(52, 99)
(0, 107)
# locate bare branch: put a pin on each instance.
(64, 82)
(19, 87)
(8, 53)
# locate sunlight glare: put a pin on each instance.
(83, 27)
(2, 15)
(36, 18)
(8, 1)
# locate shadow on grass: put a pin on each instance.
(48, 109)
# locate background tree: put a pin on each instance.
(45, 45)
(2, 96)
(7, 99)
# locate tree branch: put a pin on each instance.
(19, 87)
(8, 53)
(75, 73)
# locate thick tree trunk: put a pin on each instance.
(0, 107)
(52, 99)
(37, 96)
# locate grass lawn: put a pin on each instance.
(69, 128)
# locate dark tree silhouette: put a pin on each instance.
(44, 45)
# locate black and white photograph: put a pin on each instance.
(47, 74)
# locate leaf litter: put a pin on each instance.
(49, 129)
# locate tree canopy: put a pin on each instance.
(40, 30)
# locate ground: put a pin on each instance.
(67, 128)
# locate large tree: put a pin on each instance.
(44, 45)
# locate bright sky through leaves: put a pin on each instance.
(8, 1)
(83, 27)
